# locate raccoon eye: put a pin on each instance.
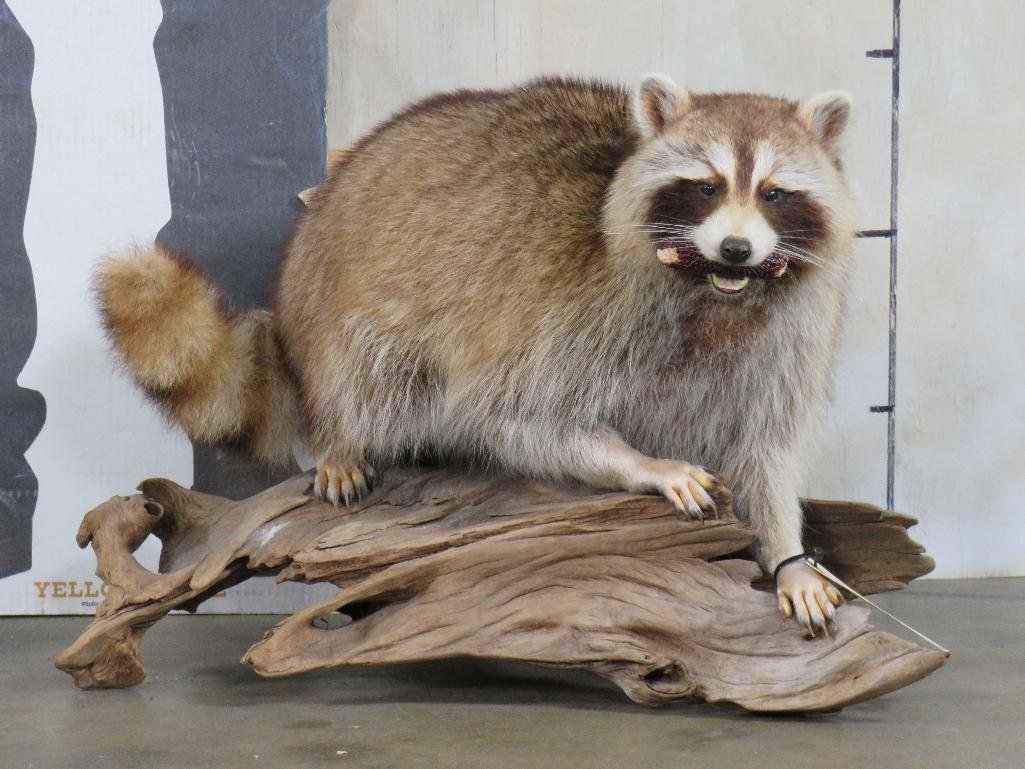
(775, 195)
(706, 189)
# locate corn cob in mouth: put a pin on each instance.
(726, 278)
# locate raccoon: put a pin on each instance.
(568, 280)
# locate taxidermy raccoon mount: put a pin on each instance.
(565, 279)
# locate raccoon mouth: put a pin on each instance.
(725, 278)
(728, 285)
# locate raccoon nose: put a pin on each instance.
(735, 250)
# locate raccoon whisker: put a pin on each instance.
(800, 257)
(802, 253)
(667, 233)
(680, 221)
(652, 228)
(674, 229)
(665, 228)
(794, 251)
(668, 223)
(793, 247)
(674, 240)
(675, 224)
(788, 247)
(806, 257)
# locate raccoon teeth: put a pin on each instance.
(729, 285)
(667, 255)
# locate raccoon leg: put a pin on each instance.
(602, 458)
(766, 495)
(610, 461)
(341, 478)
(690, 488)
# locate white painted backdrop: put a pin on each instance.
(961, 321)
(100, 181)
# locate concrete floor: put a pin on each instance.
(201, 708)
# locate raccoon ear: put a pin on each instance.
(825, 115)
(657, 103)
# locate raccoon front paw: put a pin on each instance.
(804, 593)
(691, 489)
(345, 481)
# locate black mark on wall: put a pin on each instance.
(22, 411)
(244, 85)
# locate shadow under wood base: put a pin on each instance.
(438, 563)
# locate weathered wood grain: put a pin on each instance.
(437, 563)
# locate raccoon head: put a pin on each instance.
(733, 190)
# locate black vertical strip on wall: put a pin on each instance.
(244, 86)
(891, 417)
(890, 407)
(22, 411)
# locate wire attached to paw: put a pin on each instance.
(790, 606)
(805, 595)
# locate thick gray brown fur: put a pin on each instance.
(477, 281)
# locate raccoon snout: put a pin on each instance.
(735, 250)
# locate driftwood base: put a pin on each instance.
(441, 564)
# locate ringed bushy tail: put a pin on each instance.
(212, 369)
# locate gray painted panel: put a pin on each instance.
(244, 87)
(22, 411)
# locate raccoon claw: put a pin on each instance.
(337, 482)
(691, 489)
(803, 593)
